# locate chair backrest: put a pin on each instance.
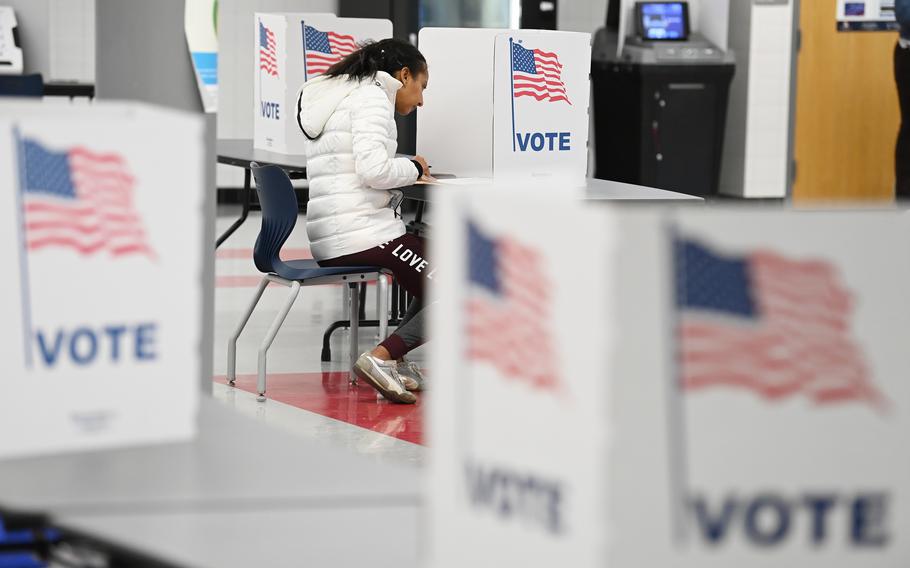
(279, 215)
(22, 85)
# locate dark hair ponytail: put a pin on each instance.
(389, 55)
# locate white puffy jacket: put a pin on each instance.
(351, 163)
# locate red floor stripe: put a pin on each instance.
(331, 394)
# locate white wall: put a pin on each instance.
(756, 145)
(581, 15)
(58, 38)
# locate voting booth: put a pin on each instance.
(103, 293)
(290, 49)
(731, 392)
(661, 75)
(518, 112)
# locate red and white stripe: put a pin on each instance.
(341, 45)
(546, 84)
(511, 332)
(268, 57)
(800, 343)
(101, 218)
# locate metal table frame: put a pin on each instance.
(241, 153)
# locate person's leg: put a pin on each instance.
(409, 335)
(902, 148)
(406, 258)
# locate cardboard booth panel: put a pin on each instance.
(743, 373)
(514, 381)
(455, 125)
(813, 398)
(104, 298)
(772, 452)
(306, 45)
(270, 84)
(327, 41)
(541, 89)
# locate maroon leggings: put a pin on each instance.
(405, 258)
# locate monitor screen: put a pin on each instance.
(663, 20)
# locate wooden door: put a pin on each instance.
(846, 110)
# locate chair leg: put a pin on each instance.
(345, 302)
(232, 342)
(270, 336)
(382, 287)
(355, 327)
(378, 306)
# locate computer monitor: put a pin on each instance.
(662, 21)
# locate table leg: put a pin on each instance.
(247, 197)
(418, 216)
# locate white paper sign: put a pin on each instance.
(305, 46)
(866, 15)
(513, 380)
(102, 299)
(540, 106)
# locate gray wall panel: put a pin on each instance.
(142, 55)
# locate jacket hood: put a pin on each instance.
(319, 97)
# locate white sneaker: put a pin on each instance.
(410, 375)
(382, 376)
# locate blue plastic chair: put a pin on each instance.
(279, 215)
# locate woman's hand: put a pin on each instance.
(423, 164)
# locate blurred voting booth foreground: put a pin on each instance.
(104, 298)
(667, 387)
(291, 49)
(514, 103)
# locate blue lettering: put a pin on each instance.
(86, 356)
(780, 520)
(145, 341)
(867, 527)
(269, 110)
(551, 140)
(50, 357)
(114, 332)
(714, 528)
(512, 496)
(539, 141)
(767, 519)
(86, 345)
(818, 506)
(523, 142)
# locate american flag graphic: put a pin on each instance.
(537, 74)
(80, 199)
(769, 324)
(268, 56)
(324, 49)
(508, 310)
